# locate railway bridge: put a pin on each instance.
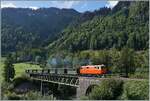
(83, 85)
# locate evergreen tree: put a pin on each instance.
(9, 71)
(126, 62)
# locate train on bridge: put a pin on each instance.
(88, 70)
(93, 70)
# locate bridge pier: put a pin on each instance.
(84, 84)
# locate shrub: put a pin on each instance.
(66, 92)
(107, 90)
(4, 89)
(37, 96)
(84, 98)
(136, 90)
(12, 96)
(142, 75)
(19, 80)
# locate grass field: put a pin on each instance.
(19, 68)
(1, 67)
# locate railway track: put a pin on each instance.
(36, 72)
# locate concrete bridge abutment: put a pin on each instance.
(84, 84)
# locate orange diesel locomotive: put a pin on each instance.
(93, 70)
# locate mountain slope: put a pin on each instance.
(26, 28)
(125, 25)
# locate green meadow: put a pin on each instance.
(19, 68)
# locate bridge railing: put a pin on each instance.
(53, 70)
(54, 78)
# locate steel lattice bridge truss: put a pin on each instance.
(45, 75)
(67, 77)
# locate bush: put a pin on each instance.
(107, 90)
(12, 96)
(37, 96)
(141, 75)
(84, 98)
(66, 92)
(19, 80)
(4, 89)
(136, 90)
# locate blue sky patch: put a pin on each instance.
(79, 5)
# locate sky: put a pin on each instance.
(79, 5)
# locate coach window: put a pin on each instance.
(102, 67)
(65, 71)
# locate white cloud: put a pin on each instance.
(34, 8)
(7, 4)
(58, 4)
(64, 4)
(111, 4)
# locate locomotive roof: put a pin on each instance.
(94, 65)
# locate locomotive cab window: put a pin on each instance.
(97, 67)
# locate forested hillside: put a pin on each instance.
(125, 25)
(33, 33)
(24, 28)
